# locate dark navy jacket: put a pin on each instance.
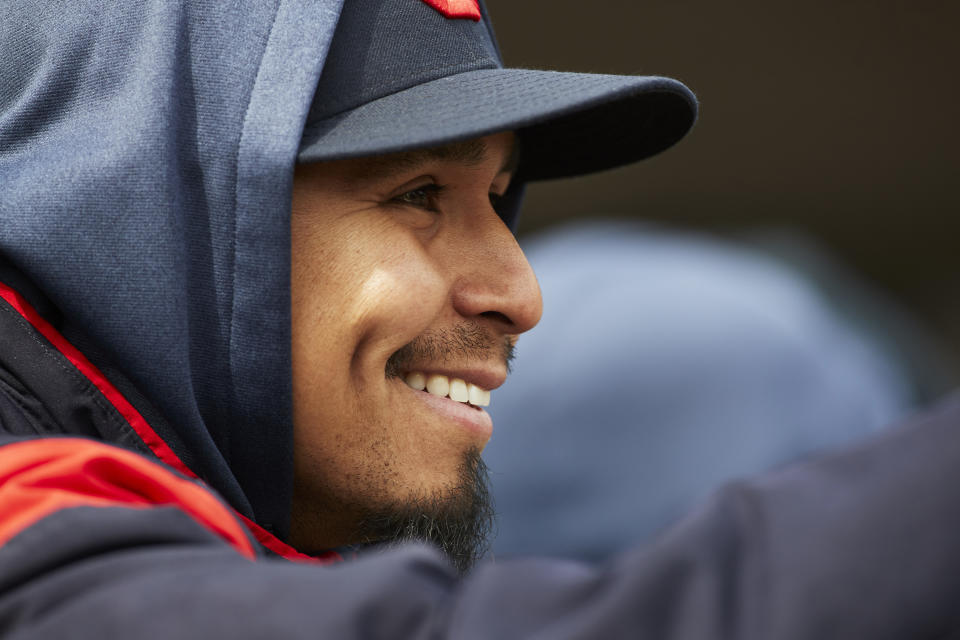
(146, 150)
(102, 541)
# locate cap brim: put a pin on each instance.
(569, 123)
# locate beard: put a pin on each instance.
(458, 521)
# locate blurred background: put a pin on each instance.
(835, 120)
(780, 283)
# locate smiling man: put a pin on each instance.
(257, 283)
(408, 288)
(408, 293)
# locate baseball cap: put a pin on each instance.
(405, 74)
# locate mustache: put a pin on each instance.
(469, 340)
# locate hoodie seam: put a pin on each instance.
(236, 208)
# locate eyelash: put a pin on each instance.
(432, 193)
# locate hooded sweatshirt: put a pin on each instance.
(146, 156)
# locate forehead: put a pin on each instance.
(351, 173)
(469, 153)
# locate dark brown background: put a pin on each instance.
(837, 118)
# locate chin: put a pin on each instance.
(456, 517)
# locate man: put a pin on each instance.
(252, 360)
(406, 340)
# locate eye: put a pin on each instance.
(424, 197)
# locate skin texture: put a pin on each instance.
(387, 267)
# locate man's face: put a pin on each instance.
(401, 271)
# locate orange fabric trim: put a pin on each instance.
(150, 437)
(284, 550)
(100, 381)
(41, 477)
(457, 8)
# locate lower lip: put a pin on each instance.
(472, 418)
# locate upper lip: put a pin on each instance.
(483, 377)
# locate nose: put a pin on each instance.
(495, 284)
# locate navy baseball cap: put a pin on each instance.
(405, 74)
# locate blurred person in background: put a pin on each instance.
(686, 361)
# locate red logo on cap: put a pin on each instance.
(457, 8)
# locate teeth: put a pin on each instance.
(440, 385)
(416, 380)
(478, 397)
(458, 390)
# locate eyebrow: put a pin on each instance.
(468, 152)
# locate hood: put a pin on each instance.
(146, 155)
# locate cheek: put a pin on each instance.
(355, 304)
(401, 294)
(359, 299)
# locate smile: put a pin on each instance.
(445, 387)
